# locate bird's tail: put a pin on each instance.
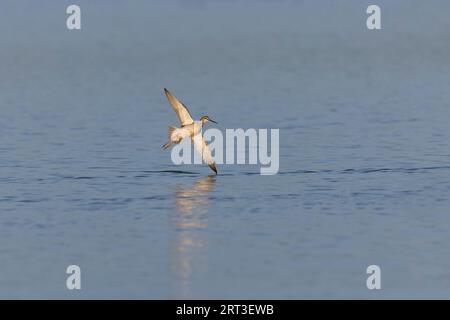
(169, 134)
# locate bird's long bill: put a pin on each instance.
(212, 120)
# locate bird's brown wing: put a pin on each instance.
(202, 148)
(180, 109)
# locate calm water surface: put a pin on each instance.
(364, 153)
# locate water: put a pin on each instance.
(364, 154)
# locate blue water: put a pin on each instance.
(364, 150)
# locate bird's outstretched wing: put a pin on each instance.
(180, 109)
(202, 148)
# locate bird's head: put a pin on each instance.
(205, 119)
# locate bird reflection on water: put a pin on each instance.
(189, 243)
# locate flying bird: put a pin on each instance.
(189, 128)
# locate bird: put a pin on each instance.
(189, 128)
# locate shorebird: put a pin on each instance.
(189, 128)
